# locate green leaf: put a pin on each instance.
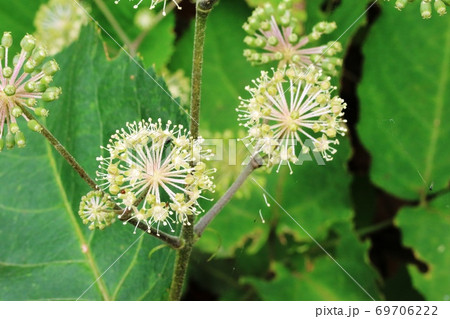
(316, 196)
(157, 44)
(322, 278)
(238, 224)
(404, 94)
(50, 254)
(425, 230)
(17, 17)
(349, 16)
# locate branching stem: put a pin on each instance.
(203, 8)
(217, 208)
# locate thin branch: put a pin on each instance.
(217, 208)
(172, 241)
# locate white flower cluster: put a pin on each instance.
(96, 209)
(288, 109)
(156, 172)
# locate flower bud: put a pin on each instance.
(29, 66)
(14, 128)
(114, 189)
(7, 72)
(425, 9)
(401, 4)
(20, 140)
(16, 111)
(50, 67)
(9, 90)
(46, 80)
(28, 43)
(34, 126)
(7, 40)
(40, 111)
(9, 141)
(31, 102)
(30, 86)
(39, 54)
(440, 7)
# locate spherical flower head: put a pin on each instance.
(156, 172)
(58, 24)
(96, 209)
(153, 4)
(23, 80)
(290, 113)
(273, 35)
(426, 6)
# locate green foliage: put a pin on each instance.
(157, 43)
(429, 246)
(404, 94)
(250, 251)
(18, 18)
(44, 234)
(320, 278)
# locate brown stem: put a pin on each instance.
(217, 208)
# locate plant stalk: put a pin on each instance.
(203, 8)
(217, 208)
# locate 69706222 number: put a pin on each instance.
(410, 310)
